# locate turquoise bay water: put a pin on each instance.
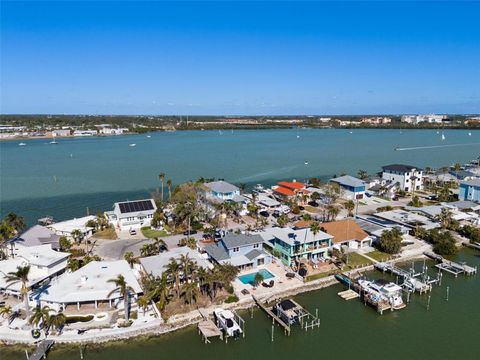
(250, 278)
(348, 330)
(63, 180)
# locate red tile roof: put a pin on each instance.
(344, 230)
(284, 191)
(293, 185)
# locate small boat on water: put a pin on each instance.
(469, 133)
(443, 136)
(149, 136)
(383, 291)
(132, 145)
(226, 321)
(53, 142)
(22, 144)
(306, 162)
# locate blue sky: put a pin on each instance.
(240, 57)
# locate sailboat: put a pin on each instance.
(443, 136)
(54, 142)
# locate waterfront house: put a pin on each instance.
(287, 190)
(61, 132)
(85, 133)
(408, 178)
(221, 191)
(295, 245)
(408, 219)
(65, 228)
(45, 263)
(35, 236)
(90, 285)
(347, 233)
(242, 250)
(132, 214)
(375, 227)
(470, 190)
(155, 265)
(353, 188)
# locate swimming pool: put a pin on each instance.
(250, 278)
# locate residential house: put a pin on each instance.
(132, 214)
(61, 132)
(155, 265)
(295, 245)
(408, 219)
(221, 191)
(90, 285)
(347, 233)
(287, 190)
(353, 188)
(35, 236)
(45, 263)
(85, 133)
(242, 250)
(408, 178)
(65, 228)
(470, 190)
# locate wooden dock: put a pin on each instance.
(456, 268)
(274, 317)
(471, 245)
(41, 350)
(207, 328)
(348, 294)
(411, 281)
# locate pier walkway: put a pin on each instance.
(274, 317)
(41, 350)
(207, 328)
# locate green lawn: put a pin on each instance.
(356, 260)
(379, 256)
(152, 233)
(321, 275)
(108, 234)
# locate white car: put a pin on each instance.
(132, 232)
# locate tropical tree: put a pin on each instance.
(169, 185)
(16, 221)
(242, 188)
(349, 206)
(332, 212)
(73, 264)
(282, 220)
(64, 243)
(445, 218)
(143, 303)
(190, 292)
(21, 276)
(130, 258)
(173, 270)
(391, 241)
(362, 174)
(40, 316)
(161, 176)
(5, 311)
(77, 236)
(258, 279)
(415, 202)
(123, 289)
(56, 321)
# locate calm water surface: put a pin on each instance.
(63, 180)
(349, 330)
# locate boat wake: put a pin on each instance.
(433, 146)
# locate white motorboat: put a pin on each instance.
(382, 290)
(149, 136)
(469, 133)
(22, 144)
(226, 321)
(259, 188)
(132, 145)
(443, 136)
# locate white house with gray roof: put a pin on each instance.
(242, 250)
(132, 214)
(155, 265)
(353, 188)
(35, 236)
(221, 191)
(407, 177)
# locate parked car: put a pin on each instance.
(313, 203)
(191, 232)
(132, 232)
(264, 213)
(301, 208)
(276, 214)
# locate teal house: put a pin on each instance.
(295, 245)
(470, 190)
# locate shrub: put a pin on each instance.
(229, 288)
(78, 318)
(231, 299)
(390, 241)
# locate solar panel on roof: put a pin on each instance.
(135, 206)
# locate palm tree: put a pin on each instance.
(332, 211)
(5, 311)
(242, 188)
(169, 185)
(362, 174)
(21, 276)
(56, 321)
(40, 316)
(161, 176)
(130, 258)
(445, 218)
(161, 292)
(73, 264)
(123, 289)
(77, 236)
(143, 303)
(16, 221)
(349, 206)
(190, 292)
(173, 270)
(186, 264)
(457, 167)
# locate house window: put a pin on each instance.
(261, 261)
(236, 249)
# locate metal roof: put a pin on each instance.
(348, 180)
(222, 187)
(400, 168)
